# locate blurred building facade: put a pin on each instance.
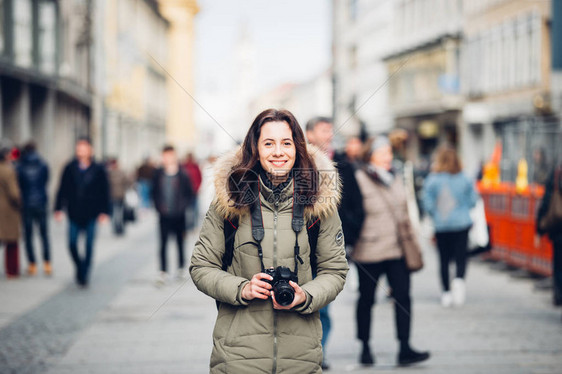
(46, 74)
(458, 71)
(424, 91)
(506, 76)
(361, 30)
(180, 126)
(133, 56)
(111, 70)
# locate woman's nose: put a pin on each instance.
(278, 151)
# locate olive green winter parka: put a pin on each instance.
(252, 337)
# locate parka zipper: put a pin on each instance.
(274, 371)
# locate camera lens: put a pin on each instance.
(284, 293)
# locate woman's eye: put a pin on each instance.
(268, 144)
(288, 144)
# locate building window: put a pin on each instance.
(47, 36)
(23, 26)
(535, 47)
(509, 60)
(2, 25)
(353, 9)
(522, 53)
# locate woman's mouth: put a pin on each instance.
(278, 163)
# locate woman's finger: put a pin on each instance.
(262, 284)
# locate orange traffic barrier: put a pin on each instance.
(511, 218)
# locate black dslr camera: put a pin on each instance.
(284, 293)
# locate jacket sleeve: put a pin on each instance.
(332, 267)
(155, 190)
(206, 264)
(13, 190)
(471, 192)
(62, 194)
(105, 192)
(429, 196)
(351, 211)
(188, 187)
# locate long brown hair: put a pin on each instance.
(245, 173)
(447, 161)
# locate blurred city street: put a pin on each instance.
(122, 323)
(122, 111)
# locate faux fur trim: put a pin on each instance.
(329, 189)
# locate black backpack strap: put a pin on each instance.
(230, 227)
(313, 229)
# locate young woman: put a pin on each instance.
(258, 190)
(378, 250)
(448, 197)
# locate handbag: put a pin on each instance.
(552, 220)
(478, 236)
(406, 240)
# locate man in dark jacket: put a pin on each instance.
(351, 209)
(320, 132)
(553, 185)
(33, 176)
(84, 194)
(172, 193)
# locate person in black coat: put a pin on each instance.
(84, 194)
(33, 176)
(351, 209)
(172, 193)
(553, 182)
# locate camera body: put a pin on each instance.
(284, 293)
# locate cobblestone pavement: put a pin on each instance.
(124, 324)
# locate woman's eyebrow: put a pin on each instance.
(272, 140)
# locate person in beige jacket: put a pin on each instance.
(378, 250)
(254, 333)
(10, 218)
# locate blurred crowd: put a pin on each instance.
(384, 197)
(88, 193)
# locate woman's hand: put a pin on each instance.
(300, 297)
(257, 288)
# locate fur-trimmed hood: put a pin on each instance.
(329, 185)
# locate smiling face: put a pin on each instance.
(276, 149)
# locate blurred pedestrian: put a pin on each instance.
(354, 150)
(10, 203)
(191, 167)
(118, 183)
(448, 196)
(33, 177)
(540, 166)
(172, 192)
(351, 209)
(145, 175)
(84, 194)
(549, 205)
(380, 249)
(320, 133)
(257, 329)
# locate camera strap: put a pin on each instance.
(297, 224)
(258, 232)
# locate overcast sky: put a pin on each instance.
(292, 40)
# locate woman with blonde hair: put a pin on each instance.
(448, 197)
